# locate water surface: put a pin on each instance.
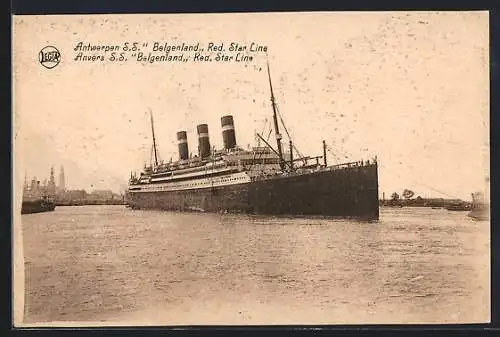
(111, 264)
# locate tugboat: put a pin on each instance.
(44, 204)
(37, 198)
(480, 208)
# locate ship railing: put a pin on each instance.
(360, 163)
(312, 169)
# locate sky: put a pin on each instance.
(410, 88)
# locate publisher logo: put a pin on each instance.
(49, 57)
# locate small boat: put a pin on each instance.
(458, 207)
(43, 204)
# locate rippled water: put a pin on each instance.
(108, 263)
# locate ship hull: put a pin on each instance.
(345, 192)
(37, 206)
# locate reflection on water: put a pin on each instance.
(108, 263)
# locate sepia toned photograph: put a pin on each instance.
(251, 169)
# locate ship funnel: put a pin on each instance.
(203, 141)
(183, 145)
(228, 135)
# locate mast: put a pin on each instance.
(324, 153)
(154, 139)
(275, 119)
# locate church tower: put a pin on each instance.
(25, 185)
(51, 186)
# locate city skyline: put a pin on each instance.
(59, 183)
(409, 88)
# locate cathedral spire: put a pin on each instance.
(62, 181)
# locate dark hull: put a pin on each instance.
(346, 192)
(480, 214)
(37, 206)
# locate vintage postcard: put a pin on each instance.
(256, 168)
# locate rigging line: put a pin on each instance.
(154, 138)
(263, 129)
(258, 143)
(151, 155)
(282, 122)
(336, 157)
(271, 148)
(260, 153)
(264, 126)
(268, 136)
(288, 134)
(422, 184)
(332, 153)
(267, 139)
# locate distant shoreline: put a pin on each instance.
(433, 203)
(89, 203)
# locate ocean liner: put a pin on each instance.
(261, 180)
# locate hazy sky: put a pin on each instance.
(410, 88)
